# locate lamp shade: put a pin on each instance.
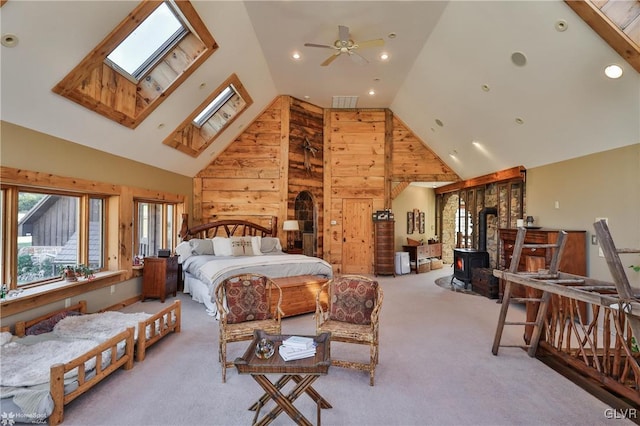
(290, 225)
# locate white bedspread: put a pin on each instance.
(29, 365)
(100, 326)
(274, 266)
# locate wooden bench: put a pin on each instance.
(299, 293)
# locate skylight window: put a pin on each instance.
(215, 105)
(145, 46)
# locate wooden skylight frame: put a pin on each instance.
(94, 84)
(192, 139)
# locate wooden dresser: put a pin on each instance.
(424, 251)
(383, 262)
(160, 277)
(573, 261)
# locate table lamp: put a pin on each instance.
(290, 226)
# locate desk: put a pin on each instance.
(302, 371)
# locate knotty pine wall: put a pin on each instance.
(359, 154)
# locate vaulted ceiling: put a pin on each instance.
(451, 76)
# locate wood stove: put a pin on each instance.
(464, 260)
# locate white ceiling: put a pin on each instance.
(443, 54)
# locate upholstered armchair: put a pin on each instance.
(246, 302)
(351, 316)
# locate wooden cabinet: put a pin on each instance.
(573, 260)
(160, 277)
(424, 251)
(383, 263)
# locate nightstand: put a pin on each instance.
(160, 277)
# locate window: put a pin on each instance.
(150, 41)
(50, 233)
(156, 47)
(213, 116)
(155, 225)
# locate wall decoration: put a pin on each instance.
(308, 151)
(421, 224)
(410, 225)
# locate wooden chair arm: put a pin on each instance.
(320, 315)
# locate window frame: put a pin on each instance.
(9, 266)
(164, 219)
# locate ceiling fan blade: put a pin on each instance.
(358, 58)
(370, 43)
(330, 59)
(343, 34)
(324, 46)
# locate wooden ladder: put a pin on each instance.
(612, 256)
(543, 300)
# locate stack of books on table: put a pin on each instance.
(297, 347)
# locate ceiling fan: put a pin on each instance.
(345, 45)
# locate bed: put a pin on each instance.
(56, 357)
(213, 251)
(59, 370)
(149, 328)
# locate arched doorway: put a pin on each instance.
(307, 217)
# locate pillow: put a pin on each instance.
(241, 246)
(247, 300)
(222, 246)
(270, 245)
(352, 300)
(200, 247)
(256, 245)
(183, 250)
(5, 337)
(46, 326)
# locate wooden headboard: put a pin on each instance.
(227, 228)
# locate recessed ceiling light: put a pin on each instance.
(9, 40)
(384, 56)
(160, 126)
(377, 79)
(475, 143)
(372, 92)
(519, 120)
(485, 87)
(518, 59)
(392, 35)
(307, 96)
(439, 122)
(613, 71)
(453, 154)
(295, 55)
(203, 85)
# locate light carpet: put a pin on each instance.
(436, 368)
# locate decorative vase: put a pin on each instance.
(265, 348)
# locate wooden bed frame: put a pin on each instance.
(298, 292)
(58, 371)
(174, 310)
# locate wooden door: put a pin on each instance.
(357, 242)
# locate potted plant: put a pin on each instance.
(69, 273)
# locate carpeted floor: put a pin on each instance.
(449, 283)
(436, 368)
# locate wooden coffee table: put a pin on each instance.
(302, 371)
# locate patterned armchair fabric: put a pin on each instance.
(247, 299)
(246, 302)
(352, 316)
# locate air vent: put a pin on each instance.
(344, 102)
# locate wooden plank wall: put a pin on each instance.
(413, 162)
(245, 180)
(355, 168)
(306, 122)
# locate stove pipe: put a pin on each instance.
(482, 230)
